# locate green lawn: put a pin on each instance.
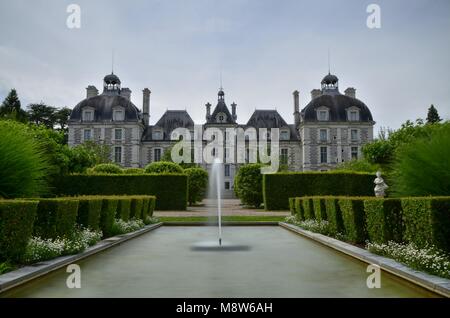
(231, 218)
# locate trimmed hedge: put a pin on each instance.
(334, 215)
(171, 190)
(136, 207)
(292, 206)
(384, 220)
(308, 208)
(123, 208)
(277, 188)
(299, 209)
(108, 214)
(16, 227)
(320, 212)
(56, 217)
(427, 221)
(89, 212)
(353, 217)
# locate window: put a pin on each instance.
(221, 118)
(225, 153)
(247, 155)
(118, 115)
(284, 135)
(323, 155)
(353, 115)
(354, 152)
(227, 170)
(87, 116)
(156, 155)
(227, 185)
(284, 156)
(117, 154)
(323, 135)
(322, 114)
(87, 134)
(354, 134)
(118, 134)
(157, 135)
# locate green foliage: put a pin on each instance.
(277, 188)
(11, 108)
(383, 220)
(198, 181)
(123, 208)
(361, 165)
(16, 227)
(108, 168)
(136, 207)
(170, 190)
(248, 185)
(308, 208)
(87, 155)
(41, 114)
(433, 116)
(334, 215)
(56, 217)
(427, 221)
(89, 212)
(6, 267)
(23, 166)
(422, 167)
(109, 208)
(298, 205)
(292, 206)
(320, 213)
(133, 171)
(163, 167)
(353, 217)
(122, 227)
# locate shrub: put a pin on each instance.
(136, 207)
(56, 217)
(384, 220)
(320, 212)
(308, 209)
(198, 181)
(292, 206)
(133, 171)
(122, 227)
(23, 165)
(427, 221)
(334, 215)
(170, 190)
(322, 227)
(123, 208)
(422, 167)
(89, 212)
(248, 185)
(109, 208)
(353, 218)
(299, 209)
(106, 168)
(163, 167)
(16, 227)
(277, 188)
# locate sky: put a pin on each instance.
(262, 49)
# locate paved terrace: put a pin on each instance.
(229, 207)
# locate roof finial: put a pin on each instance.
(329, 68)
(112, 61)
(221, 87)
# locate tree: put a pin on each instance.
(198, 181)
(61, 118)
(11, 108)
(248, 184)
(41, 114)
(433, 116)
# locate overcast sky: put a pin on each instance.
(265, 50)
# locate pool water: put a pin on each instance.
(166, 263)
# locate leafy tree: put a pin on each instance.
(11, 108)
(41, 114)
(87, 155)
(248, 184)
(61, 119)
(361, 165)
(198, 181)
(433, 116)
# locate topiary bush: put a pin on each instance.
(292, 206)
(89, 212)
(299, 211)
(427, 221)
(384, 220)
(109, 168)
(16, 227)
(23, 164)
(197, 181)
(163, 167)
(334, 215)
(320, 213)
(56, 217)
(248, 185)
(123, 208)
(136, 207)
(109, 209)
(308, 208)
(133, 171)
(354, 219)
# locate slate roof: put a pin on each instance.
(171, 120)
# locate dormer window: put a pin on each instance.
(118, 115)
(353, 114)
(157, 135)
(284, 135)
(322, 114)
(221, 118)
(88, 115)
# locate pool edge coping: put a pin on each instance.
(28, 273)
(435, 284)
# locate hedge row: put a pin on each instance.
(51, 218)
(422, 220)
(171, 190)
(279, 187)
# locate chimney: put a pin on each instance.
(233, 111)
(296, 108)
(315, 93)
(126, 92)
(91, 91)
(351, 92)
(146, 106)
(208, 111)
